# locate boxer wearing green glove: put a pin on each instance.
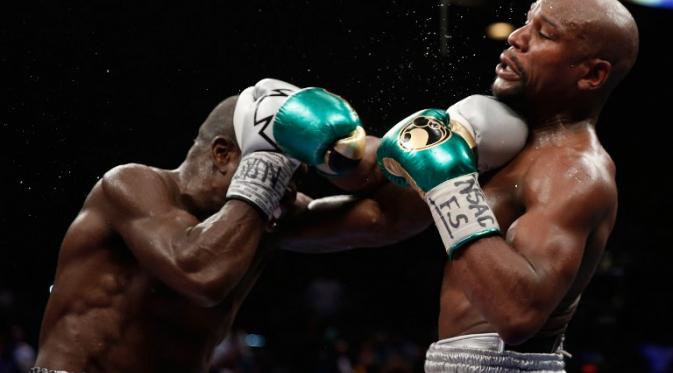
(311, 124)
(437, 156)
(279, 125)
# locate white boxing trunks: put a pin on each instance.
(45, 370)
(486, 353)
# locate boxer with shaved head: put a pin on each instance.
(154, 267)
(523, 240)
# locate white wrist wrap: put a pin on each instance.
(261, 180)
(460, 212)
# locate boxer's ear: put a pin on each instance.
(223, 151)
(596, 74)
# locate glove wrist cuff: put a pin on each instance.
(261, 180)
(460, 212)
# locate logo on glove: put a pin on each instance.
(265, 112)
(423, 132)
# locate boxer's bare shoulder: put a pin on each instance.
(573, 172)
(96, 281)
(134, 188)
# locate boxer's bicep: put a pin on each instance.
(141, 212)
(201, 260)
(552, 251)
(561, 213)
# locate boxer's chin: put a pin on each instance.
(507, 91)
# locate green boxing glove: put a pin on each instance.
(311, 125)
(435, 156)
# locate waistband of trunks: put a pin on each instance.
(486, 353)
(45, 370)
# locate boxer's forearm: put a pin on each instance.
(209, 259)
(503, 285)
(388, 216)
(334, 228)
(517, 287)
(383, 214)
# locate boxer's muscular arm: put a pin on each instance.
(203, 261)
(517, 283)
(384, 214)
(389, 215)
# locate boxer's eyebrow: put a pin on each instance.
(549, 21)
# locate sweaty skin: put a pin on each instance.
(153, 269)
(556, 201)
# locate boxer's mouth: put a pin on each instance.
(507, 69)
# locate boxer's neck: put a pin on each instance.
(192, 188)
(560, 131)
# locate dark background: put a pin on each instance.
(90, 85)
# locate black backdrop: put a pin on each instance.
(90, 85)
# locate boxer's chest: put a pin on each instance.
(504, 194)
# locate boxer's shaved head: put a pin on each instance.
(568, 57)
(603, 28)
(219, 122)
